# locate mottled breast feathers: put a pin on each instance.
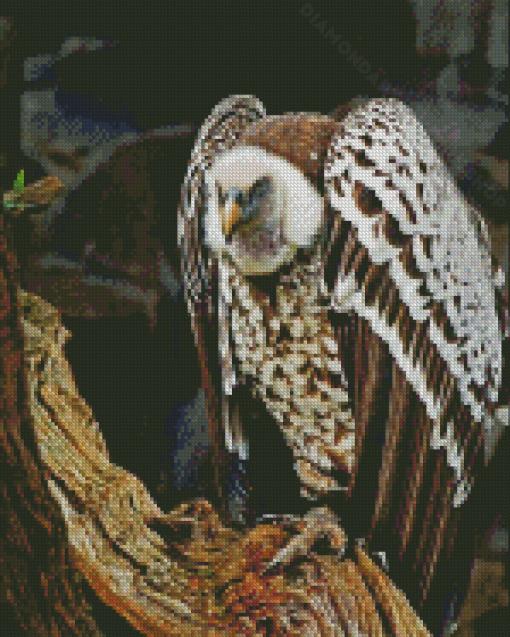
(413, 261)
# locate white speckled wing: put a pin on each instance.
(207, 293)
(384, 176)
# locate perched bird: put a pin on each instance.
(339, 283)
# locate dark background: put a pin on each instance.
(175, 60)
(172, 63)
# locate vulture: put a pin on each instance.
(342, 289)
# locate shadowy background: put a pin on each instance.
(163, 67)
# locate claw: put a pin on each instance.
(316, 524)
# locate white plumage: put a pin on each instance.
(240, 168)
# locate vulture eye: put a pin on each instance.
(221, 196)
(258, 191)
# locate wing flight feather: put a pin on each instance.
(424, 241)
(205, 279)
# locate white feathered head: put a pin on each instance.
(260, 209)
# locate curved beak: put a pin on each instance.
(230, 217)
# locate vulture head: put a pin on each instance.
(261, 209)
